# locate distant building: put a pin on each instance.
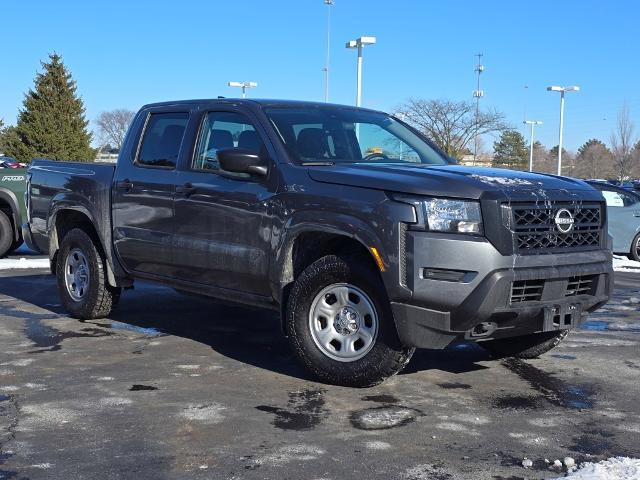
(106, 157)
(482, 160)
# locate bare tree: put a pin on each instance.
(450, 124)
(113, 125)
(622, 144)
(594, 160)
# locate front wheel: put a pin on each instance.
(526, 346)
(634, 254)
(340, 324)
(82, 278)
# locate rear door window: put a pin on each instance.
(162, 139)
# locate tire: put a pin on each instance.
(525, 347)
(365, 349)
(6, 234)
(82, 278)
(634, 254)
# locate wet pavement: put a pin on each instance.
(175, 387)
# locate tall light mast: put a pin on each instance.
(329, 4)
(478, 94)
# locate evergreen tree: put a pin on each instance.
(510, 151)
(52, 123)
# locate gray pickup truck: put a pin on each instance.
(367, 239)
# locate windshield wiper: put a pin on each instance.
(318, 163)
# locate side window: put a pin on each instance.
(221, 130)
(379, 144)
(162, 139)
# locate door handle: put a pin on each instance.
(186, 189)
(124, 184)
(636, 214)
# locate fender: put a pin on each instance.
(66, 201)
(10, 197)
(324, 222)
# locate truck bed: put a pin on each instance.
(83, 187)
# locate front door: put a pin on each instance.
(143, 194)
(223, 232)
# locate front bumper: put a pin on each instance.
(463, 289)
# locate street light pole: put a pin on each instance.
(533, 123)
(329, 4)
(244, 86)
(562, 91)
(359, 43)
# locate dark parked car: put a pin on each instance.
(623, 210)
(9, 162)
(351, 224)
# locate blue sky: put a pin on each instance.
(127, 53)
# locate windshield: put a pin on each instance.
(347, 135)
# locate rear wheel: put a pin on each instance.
(6, 234)
(82, 279)
(527, 346)
(340, 324)
(635, 249)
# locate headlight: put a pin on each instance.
(456, 216)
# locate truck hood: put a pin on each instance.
(455, 181)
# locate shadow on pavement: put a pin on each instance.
(248, 335)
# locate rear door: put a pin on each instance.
(223, 230)
(143, 193)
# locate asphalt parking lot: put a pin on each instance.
(174, 387)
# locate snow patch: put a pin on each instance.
(210, 413)
(457, 427)
(45, 415)
(505, 181)
(378, 445)
(36, 386)
(290, 453)
(114, 401)
(23, 263)
(529, 438)
(615, 468)
(23, 362)
(623, 264)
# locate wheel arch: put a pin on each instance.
(63, 218)
(10, 206)
(306, 241)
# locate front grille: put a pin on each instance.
(526, 291)
(581, 285)
(534, 226)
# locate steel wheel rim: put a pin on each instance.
(638, 247)
(343, 322)
(76, 274)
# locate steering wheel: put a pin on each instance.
(371, 156)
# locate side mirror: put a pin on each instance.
(241, 160)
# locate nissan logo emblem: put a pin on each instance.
(564, 220)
